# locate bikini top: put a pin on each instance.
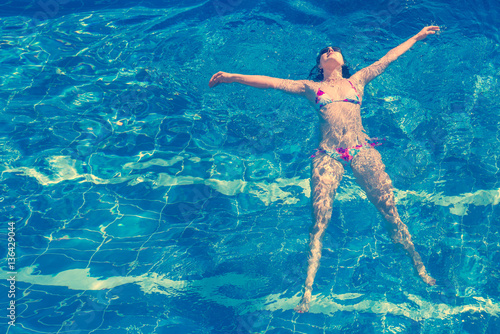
(322, 98)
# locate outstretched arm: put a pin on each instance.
(260, 81)
(367, 74)
(257, 81)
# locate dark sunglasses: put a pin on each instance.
(325, 50)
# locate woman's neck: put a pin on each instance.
(332, 76)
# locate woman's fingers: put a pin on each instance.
(426, 31)
(211, 83)
(215, 80)
(219, 77)
(432, 29)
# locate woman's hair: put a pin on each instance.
(316, 73)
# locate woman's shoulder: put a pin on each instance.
(356, 80)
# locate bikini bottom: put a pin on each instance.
(346, 154)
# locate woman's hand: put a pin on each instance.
(430, 30)
(220, 77)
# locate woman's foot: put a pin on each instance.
(426, 278)
(303, 306)
(423, 274)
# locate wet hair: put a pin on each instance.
(316, 74)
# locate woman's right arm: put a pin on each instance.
(369, 73)
(260, 81)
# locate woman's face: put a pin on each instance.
(330, 56)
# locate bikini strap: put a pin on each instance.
(357, 94)
(353, 86)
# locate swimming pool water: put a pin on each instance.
(145, 202)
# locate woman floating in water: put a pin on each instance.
(338, 99)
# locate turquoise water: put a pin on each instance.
(145, 202)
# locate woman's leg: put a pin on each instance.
(370, 174)
(326, 176)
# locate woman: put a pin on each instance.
(338, 98)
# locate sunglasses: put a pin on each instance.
(325, 50)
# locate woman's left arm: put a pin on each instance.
(367, 74)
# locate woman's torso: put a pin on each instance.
(339, 106)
